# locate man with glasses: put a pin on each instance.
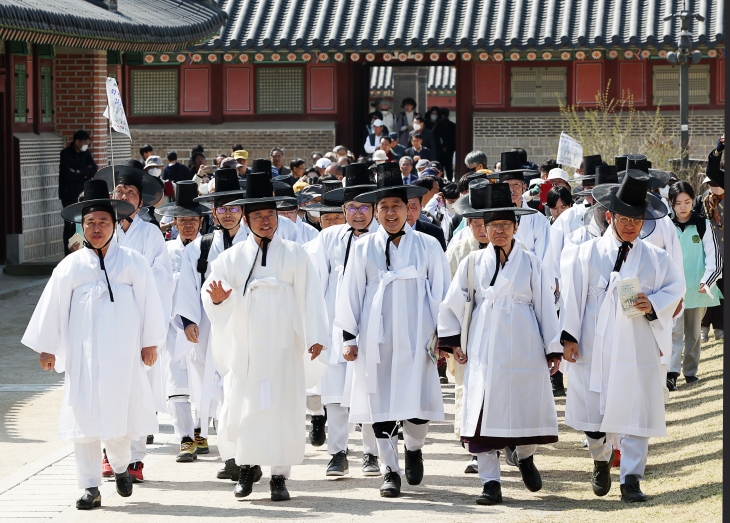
(264, 369)
(618, 307)
(330, 253)
(394, 377)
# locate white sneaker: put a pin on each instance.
(705, 334)
(472, 467)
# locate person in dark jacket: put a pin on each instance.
(174, 171)
(417, 148)
(419, 126)
(76, 167)
(419, 222)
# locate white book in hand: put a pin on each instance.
(628, 289)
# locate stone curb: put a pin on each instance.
(22, 288)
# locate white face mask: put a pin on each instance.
(155, 172)
(416, 126)
(450, 207)
(434, 117)
(314, 214)
(664, 192)
(84, 148)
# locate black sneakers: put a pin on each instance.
(390, 487)
(247, 476)
(630, 490)
(124, 483)
(317, 435)
(601, 479)
(530, 475)
(491, 495)
(338, 465)
(414, 467)
(278, 488)
(556, 380)
(90, 500)
(229, 471)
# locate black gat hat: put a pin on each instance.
(96, 194)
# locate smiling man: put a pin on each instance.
(100, 321)
(616, 379)
(265, 370)
(393, 376)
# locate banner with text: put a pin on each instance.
(570, 151)
(115, 110)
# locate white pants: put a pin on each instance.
(139, 450)
(634, 452)
(88, 456)
(489, 462)
(338, 431)
(314, 405)
(414, 437)
(182, 416)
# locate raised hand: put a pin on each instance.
(217, 294)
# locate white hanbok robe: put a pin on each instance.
(205, 385)
(260, 341)
(514, 326)
(617, 383)
(327, 253)
(146, 238)
(393, 312)
(98, 343)
(305, 232)
(568, 222)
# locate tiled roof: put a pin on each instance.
(440, 78)
(137, 24)
(455, 25)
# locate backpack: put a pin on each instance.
(205, 243)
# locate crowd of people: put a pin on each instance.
(251, 296)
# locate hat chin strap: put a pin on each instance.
(349, 241)
(264, 248)
(623, 251)
(101, 262)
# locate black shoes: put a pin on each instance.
(338, 465)
(491, 495)
(530, 474)
(630, 491)
(601, 479)
(672, 384)
(442, 375)
(247, 476)
(278, 488)
(150, 439)
(557, 382)
(229, 471)
(391, 485)
(317, 435)
(370, 465)
(124, 484)
(414, 467)
(691, 379)
(90, 500)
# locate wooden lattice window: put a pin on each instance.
(666, 84)
(21, 101)
(538, 86)
(46, 95)
(280, 90)
(154, 92)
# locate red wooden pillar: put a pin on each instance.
(464, 114)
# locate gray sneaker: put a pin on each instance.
(704, 334)
(370, 465)
(338, 465)
(719, 334)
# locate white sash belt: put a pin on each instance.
(401, 340)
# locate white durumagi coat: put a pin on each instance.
(568, 222)
(98, 343)
(260, 340)
(327, 253)
(617, 384)
(205, 383)
(393, 311)
(514, 326)
(305, 232)
(146, 238)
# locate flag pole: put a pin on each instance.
(111, 146)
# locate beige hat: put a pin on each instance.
(380, 156)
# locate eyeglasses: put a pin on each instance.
(625, 220)
(232, 210)
(355, 210)
(502, 226)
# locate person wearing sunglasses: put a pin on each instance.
(330, 254)
(620, 297)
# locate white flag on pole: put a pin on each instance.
(115, 110)
(570, 151)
